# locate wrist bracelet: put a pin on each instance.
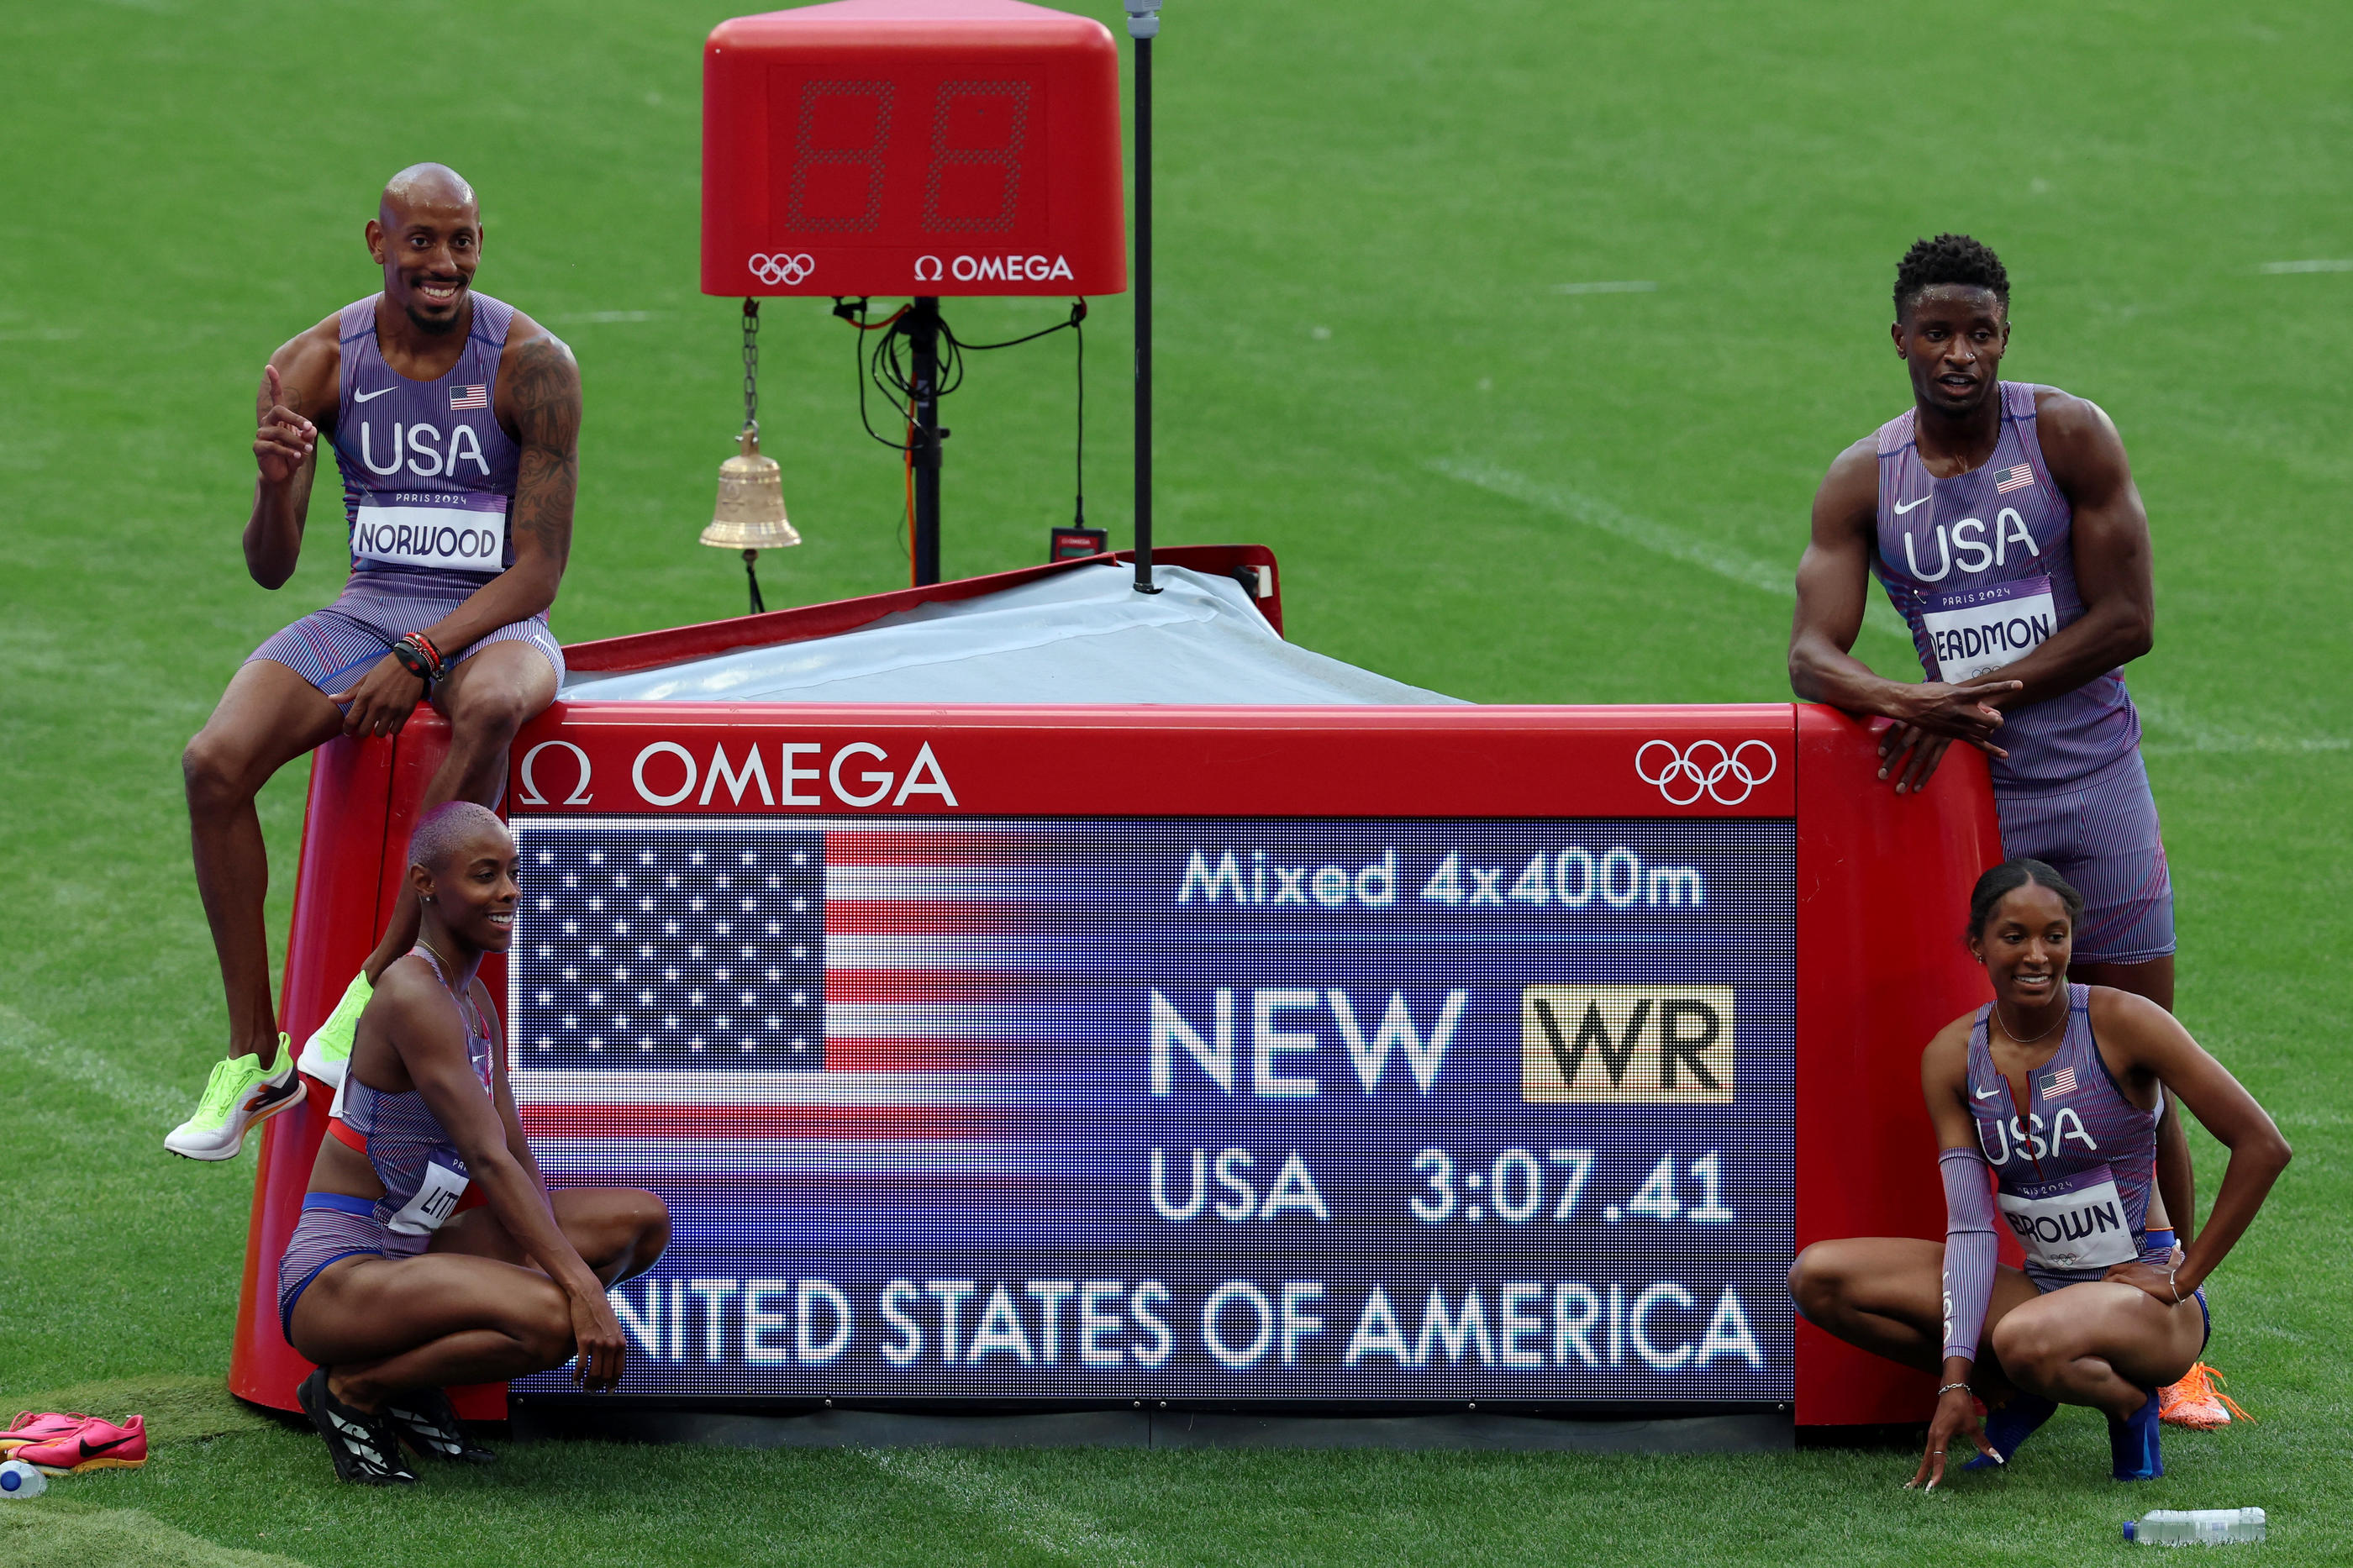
(1950, 1386)
(413, 661)
(2171, 1286)
(419, 656)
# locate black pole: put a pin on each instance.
(923, 337)
(1143, 22)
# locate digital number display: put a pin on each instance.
(1309, 1110)
(849, 145)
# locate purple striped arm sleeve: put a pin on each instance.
(1968, 1249)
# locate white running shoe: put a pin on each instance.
(328, 1051)
(238, 1095)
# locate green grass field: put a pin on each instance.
(1476, 481)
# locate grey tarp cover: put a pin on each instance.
(1079, 636)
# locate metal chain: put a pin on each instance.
(752, 365)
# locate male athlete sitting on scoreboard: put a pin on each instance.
(455, 421)
(395, 1285)
(2057, 1089)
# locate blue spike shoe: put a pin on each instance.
(2132, 1444)
(2012, 1424)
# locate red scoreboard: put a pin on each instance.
(1285, 1057)
(907, 147)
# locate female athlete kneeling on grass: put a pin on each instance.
(2058, 1087)
(386, 1285)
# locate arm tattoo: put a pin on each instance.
(544, 386)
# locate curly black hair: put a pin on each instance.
(1948, 259)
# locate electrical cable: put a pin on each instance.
(860, 370)
(880, 365)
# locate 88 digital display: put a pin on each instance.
(856, 149)
(1246, 1108)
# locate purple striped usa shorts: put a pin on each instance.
(333, 1227)
(331, 648)
(2102, 834)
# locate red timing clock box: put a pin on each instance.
(907, 147)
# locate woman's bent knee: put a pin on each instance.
(1817, 1278)
(2029, 1345)
(653, 1216)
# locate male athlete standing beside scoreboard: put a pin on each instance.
(2003, 521)
(455, 420)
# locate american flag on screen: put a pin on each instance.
(711, 981)
(655, 949)
(464, 397)
(2059, 1084)
(2013, 479)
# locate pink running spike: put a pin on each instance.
(94, 1446)
(38, 1426)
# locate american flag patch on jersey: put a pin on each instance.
(2060, 1084)
(464, 397)
(2005, 481)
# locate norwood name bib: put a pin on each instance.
(455, 533)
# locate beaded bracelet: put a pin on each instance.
(1950, 1386)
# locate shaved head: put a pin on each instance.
(449, 828)
(427, 235)
(422, 184)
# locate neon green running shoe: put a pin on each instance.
(328, 1051)
(238, 1095)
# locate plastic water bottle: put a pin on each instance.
(19, 1480)
(2196, 1527)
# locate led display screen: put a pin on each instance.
(1316, 1110)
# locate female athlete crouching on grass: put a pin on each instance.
(386, 1286)
(2058, 1089)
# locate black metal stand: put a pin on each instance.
(1143, 315)
(923, 339)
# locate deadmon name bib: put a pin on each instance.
(1972, 631)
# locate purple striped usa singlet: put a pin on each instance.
(2074, 1166)
(403, 1136)
(428, 476)
(1982, 568)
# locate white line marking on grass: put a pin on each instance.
(40, 1047)
(47, 1531)
(1623, 286)
(2344, 265)
(1041, 1525)
(609, 318)
(2181, 734)
(1676, 543)
(40, 335)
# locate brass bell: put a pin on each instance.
(751, 511)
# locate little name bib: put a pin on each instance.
(435, 1200)
(1973, 631)
(2074, 1225)
(459, 533)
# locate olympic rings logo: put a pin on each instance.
(780, 269)
(1704, 768)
